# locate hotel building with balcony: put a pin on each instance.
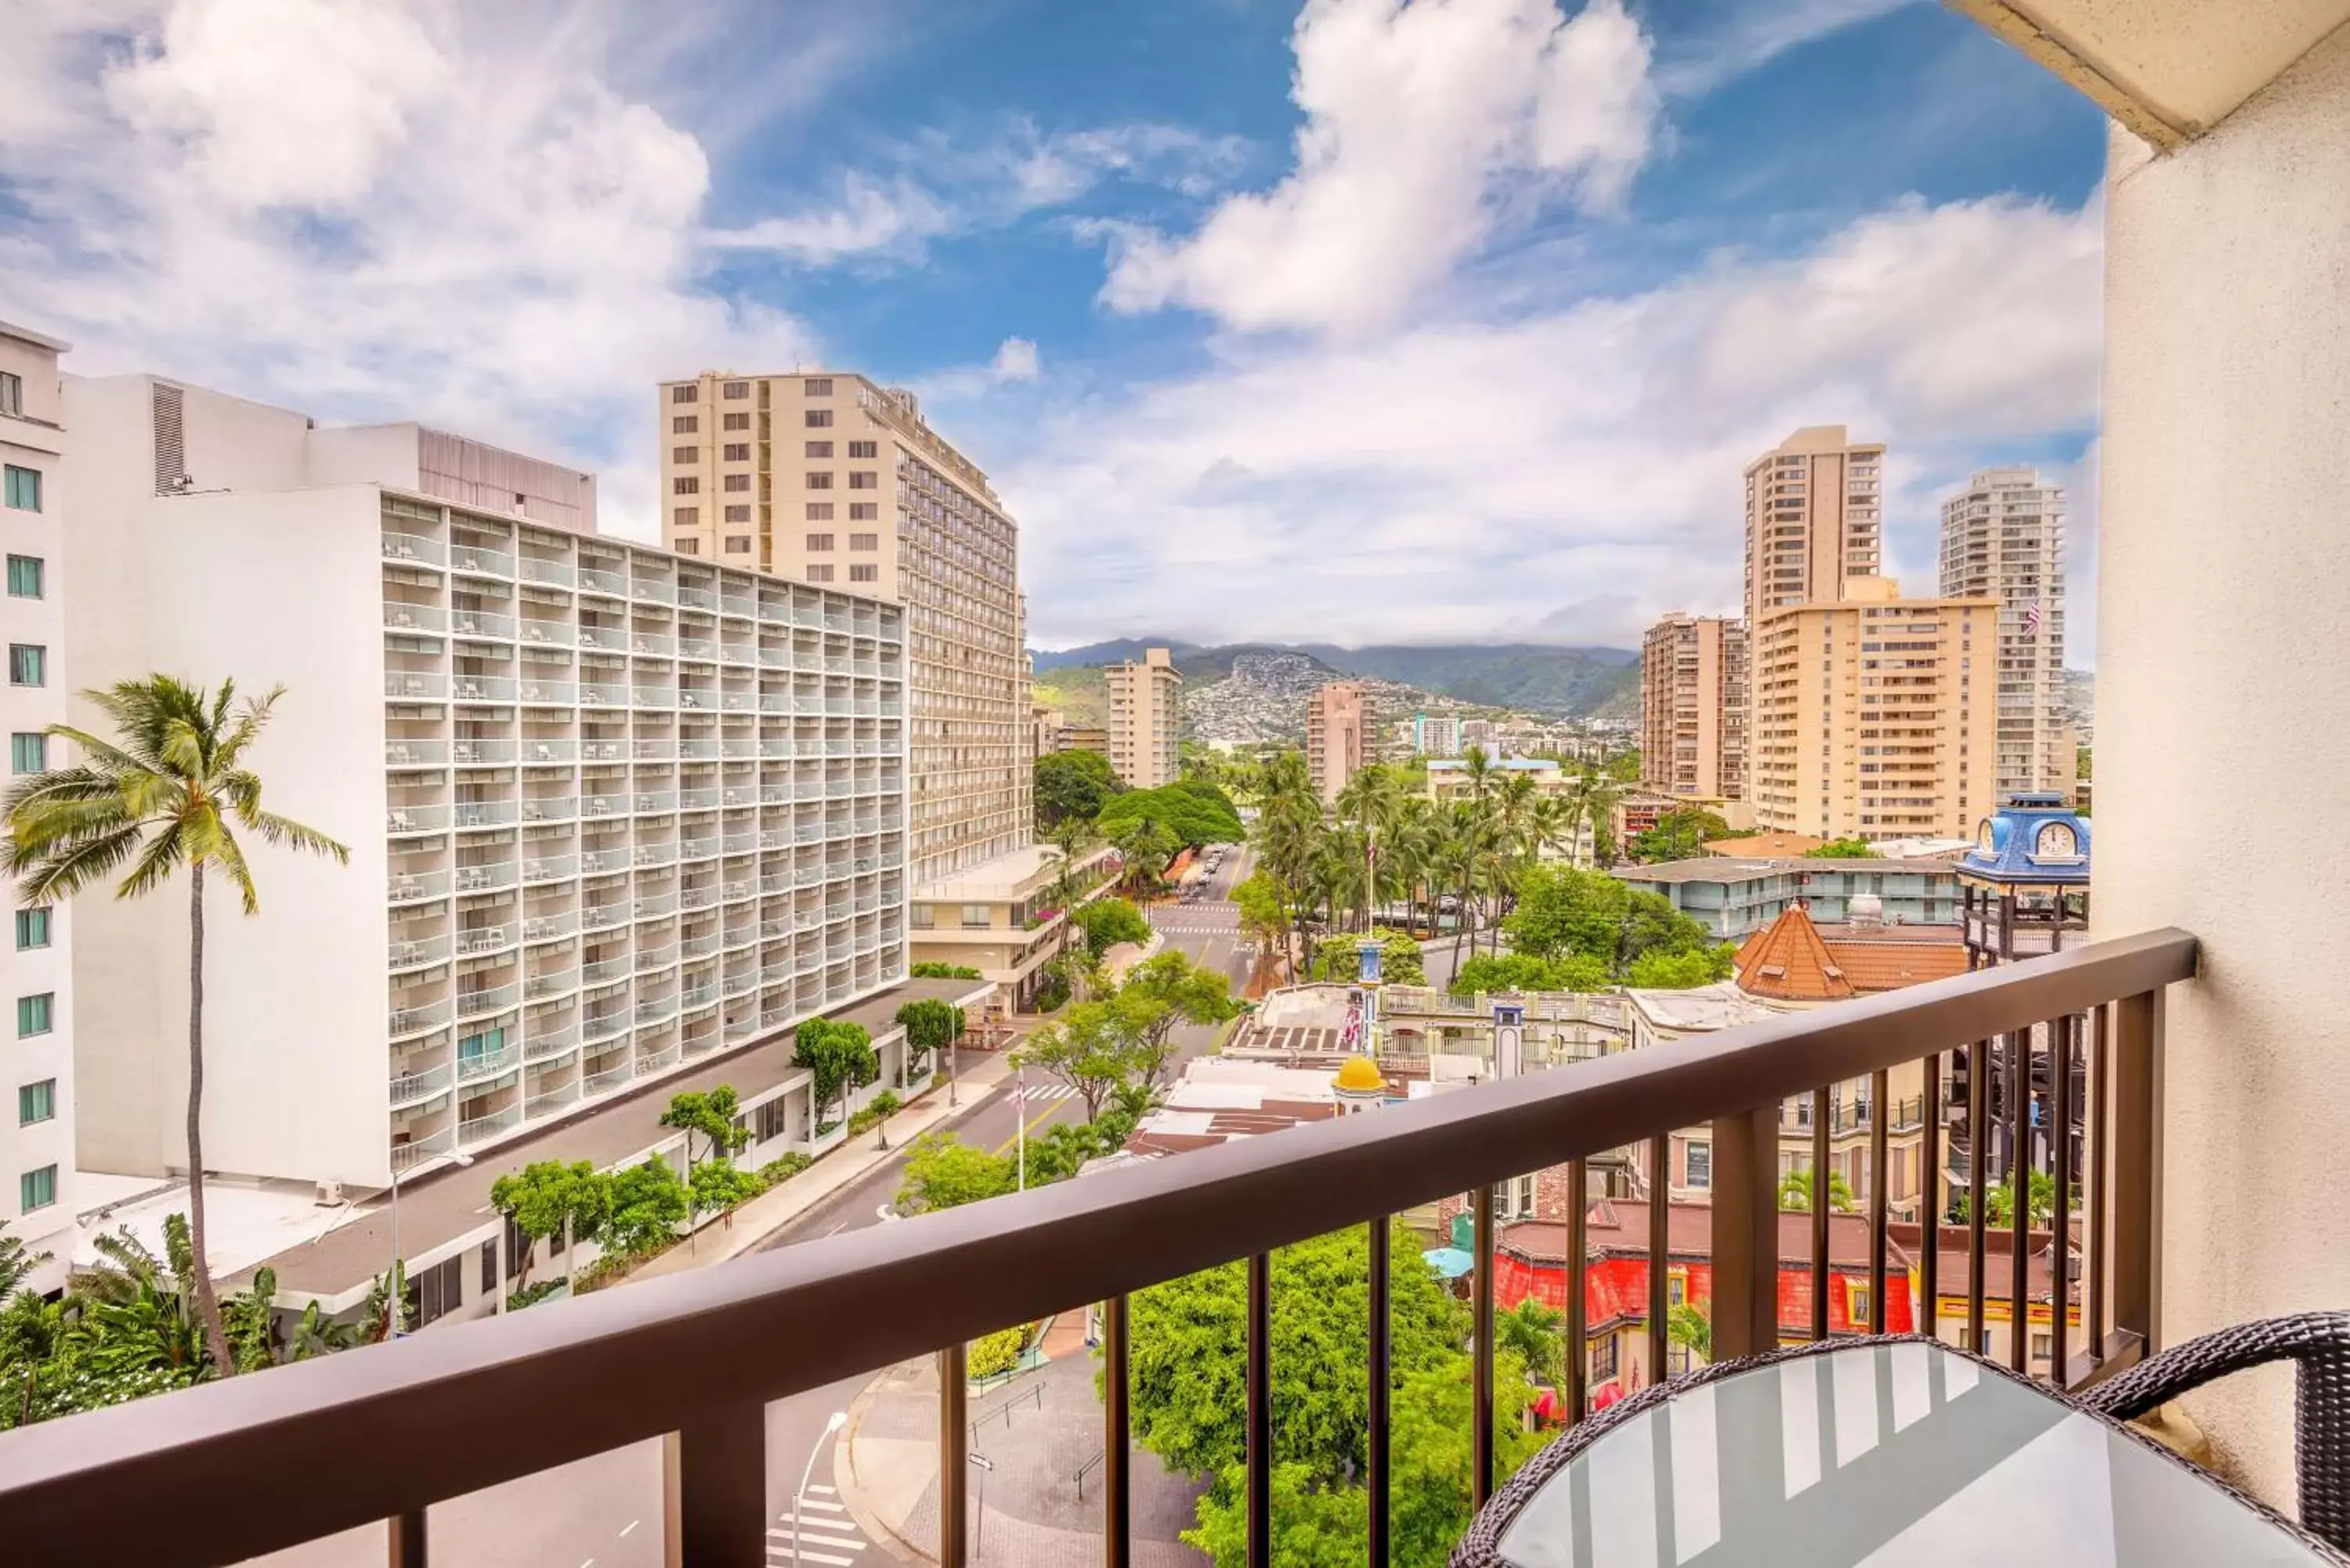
(2004, 538)
(1145, 698)
(612, 812)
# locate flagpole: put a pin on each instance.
(1020, 1124)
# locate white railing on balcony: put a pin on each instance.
(601, 806)
(407, 819)
(481, 560)
(415, 753)
(554, 983)
(414, 686)
(652, 590)
(736, 984)
(481, 687)
(655, 958)
(775, 795)
(700, 945)
(738, 889)
(552, 1101)
(399, 615)
(407, 1157)
(545, 633)
(486, 812)
(701, 650)
(737, 653)
(543, 569)
(602, 694)
(415, 1018)
(737, 702)
(655, 800)
(415, 887)
(774, 703)
(652, 644)
(488, 1064)
(700, 897)
(412, 547)
(664, 1058)
(741, 1029)
(536, 693)
(605, 1026)
(737, 604)
(741, 843)
(697, 799)
(692, 598)
(486, 999)
(490, 1126)
(742, 936)
(609, 639)
(602, 580)
(475, 940)
(409, 1088)
(702, 848)
(656, 855)
(661, 697)
(697, 747)
(603, 971)
(550, 867)
(655, 751)
(483, 879)
(610, 1078)
(697, 700)
(658, 1011)
(550, 808)
(476, 754)
(416, 952)
(653, 906)
(603, 917)
(739, 747)
(595, 750)
(486, 624)
(555, 1042)
(550, 927)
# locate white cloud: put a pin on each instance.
(1754, 33)
(1566, 475)
(1427, 122)
(1016, 360)
(871, 217)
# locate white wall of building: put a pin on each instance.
(2225, 493)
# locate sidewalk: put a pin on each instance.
(842, 1166)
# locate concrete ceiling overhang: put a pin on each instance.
(2168, 70)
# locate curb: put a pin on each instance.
(852, 1490)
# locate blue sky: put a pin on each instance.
(1367, 321)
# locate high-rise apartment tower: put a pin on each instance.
(1815, 514)
(1142, 719)
(1693, 706)
(1338, 740)
(2004, 538)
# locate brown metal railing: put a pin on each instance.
(697, 1357)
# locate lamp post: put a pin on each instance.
(399, 1283)
(832, 1423)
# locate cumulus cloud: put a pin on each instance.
(1016, 360)
(1426, 123)
(1566, 475)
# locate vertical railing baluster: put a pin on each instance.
(2137, 1167)
(1978, 1162)
(2019, 1176)
(718, 1502)
(1746, 1232)
(1480, 1330)
(1380, 1377)
(1822, 1190)
(1661, 1254)
(1259, 1411)
(1579, 1348)
(954, 1458)
(1927, 1317)
(1880, 1177)
(1117, 1390)
(2095, 1219)
(406, 1540)
(2060, 1163)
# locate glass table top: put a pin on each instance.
(1880, 1455)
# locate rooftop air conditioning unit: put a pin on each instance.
(330, 1195)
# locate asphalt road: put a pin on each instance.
(606, 1511)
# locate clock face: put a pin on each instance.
(1982, 838)
(2056, 841)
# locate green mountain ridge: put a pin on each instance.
(1574, 683)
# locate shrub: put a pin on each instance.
(536, 1291)
(782, 1167)
(931, 969)
(880, 1108)
(1053, 996)
(995, 1354)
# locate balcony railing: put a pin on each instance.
(410, 1088)
(691, 1355)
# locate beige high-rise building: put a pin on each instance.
(1693, 702)
(1338, 740)
(1874, 717)
(828, 478)
(2004, 538)
(1142, 699)
(1814, 517)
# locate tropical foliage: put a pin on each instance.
(1399, 958)
(1843, 849)
(1073, 785)
(840, 1055)
(1795, 1191)
(1565, 914)
(1678, 835)
(1107, 922)
(930, 968)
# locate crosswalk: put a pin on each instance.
(1039, 1094)
(826, 1533)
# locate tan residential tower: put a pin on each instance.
(1337, 735)
(2004, 538)
(1693, 702)
(1142, 728)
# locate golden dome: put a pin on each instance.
(1360, 1074)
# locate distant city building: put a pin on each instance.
(1142, 719)
(1337, 735)
(1733, 899)
(37, 1135)
(2003, 539)
(1436, 735)
(1693, 706)
(1449, 780)
(1482, 732)
(1814, 517)
(1874, 715)
(1082, 738)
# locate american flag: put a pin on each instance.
(2031, 620)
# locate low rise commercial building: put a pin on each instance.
(1009, 918)
(1732, 898)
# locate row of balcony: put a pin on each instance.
(415, 550)
(426, 752)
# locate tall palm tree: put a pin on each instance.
(171, 789)
(1371, 803)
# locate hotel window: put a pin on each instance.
(686, 516)
(865, 541)
(23, 489)
(1856, 1303)
(684, 424)
(1603, 1361)
(820, 574)
(819, 511)
(817, 419)
(689, 547)
(32, 928)
(734, 423)
(866, 572)
(819, 386)
(685, 485)
(35, 1015)
(819, 541)
(36, 1188)
(685, 455)
(768, 1119)
(36, 1102)
(738, 513)
(864, 449)
(24, 578)
(685, 394)
(919, 915)
(817, 449)
(28, 664)
(737, 452)
(819, 482)
(737, 390)
(864, 479)
(28, 753)
(12, 394)
(864, 511)
(738, 482)
(738, 544)
(974, 917)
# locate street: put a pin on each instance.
(606, 1511)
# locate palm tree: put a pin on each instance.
(1795, 1191)
(1372, 802)
(171, 789)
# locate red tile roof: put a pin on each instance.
(1787, 961)
(1793, 959)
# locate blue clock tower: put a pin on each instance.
(2025, 883)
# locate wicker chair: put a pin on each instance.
(2318, 1342)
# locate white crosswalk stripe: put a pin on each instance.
(829, 1537)
(1039, 1094)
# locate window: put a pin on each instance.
(685, 424)
(2041, 1346)
(36, 1188)
(438, 1290)
(689, 547)
(28, 664)
(864, 479)
(737, 452)
(820, 574)
(738, 544)
(741, 514)
(24, 578)
(34, 1014)
(819, 511)
(735, 422)
(864, 511)
(819, 541)
(685, 455)
(736, 390)
(864, 449)
(12, 394)
(818, 448)
(767, 1119)
(1603, 1362)
(1514, 1199)
(919, 917)
(28, 754)
(865, 572)
(1856, 1303)
(686, 394)
(819, 480)
(974, 917)
(686, 516)
(685, 485)
(736, 483)
(817, 419)
(23, 489)
(489, 1268)
(1699, 1159)
(518, 1249)
(864, 541)
(36, 1102)
(819, 386)
(32, 928)
(1676, 1287)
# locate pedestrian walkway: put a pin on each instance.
(819, 1529)
(1038, 1093)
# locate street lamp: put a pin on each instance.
(399, 1285)
(832, 1423)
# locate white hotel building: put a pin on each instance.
(611, 810)
(36, 1119)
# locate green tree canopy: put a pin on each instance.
(1680, 834)
(840, 1055)
(1094, 1048)
(1107, 922)
(1190, 811)
(1161, 992)
(941, 1171)
(1660, 969)
(648, 1203)
(1843, 849)
(711, 1113)
(1795, 1191)
(931, 968)
(1340, 958)
(1525, 971)
(930, 1025)
(1073, 785)
(1562, 911)
(551, 1198)
(719, 1185)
